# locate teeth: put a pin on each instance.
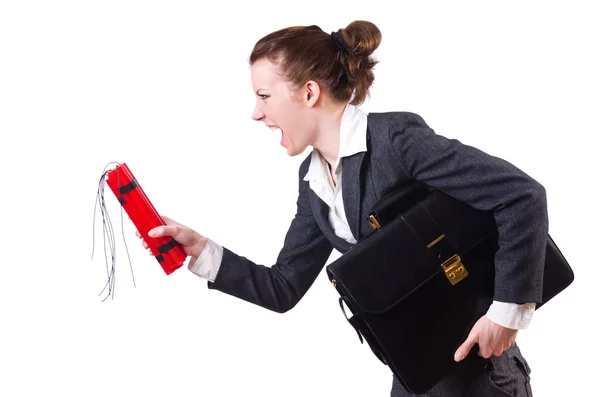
(275, 128)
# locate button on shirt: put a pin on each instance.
(353, 139)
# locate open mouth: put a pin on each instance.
(276, 128)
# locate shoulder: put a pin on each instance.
(393, 127)
(397, 121)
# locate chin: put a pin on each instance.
(293, 152)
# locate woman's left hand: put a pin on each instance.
(491, 338)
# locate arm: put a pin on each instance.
(281, 286)
(486, 183)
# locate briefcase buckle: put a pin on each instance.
(454, 269)
(373, 222)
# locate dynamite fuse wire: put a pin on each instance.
(108, 233)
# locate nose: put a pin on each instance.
(258, 113)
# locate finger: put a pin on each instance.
(144, 244)
(174, 231)
(466, 347)
(501, 349)
(161, 231)
(137, 233)
(485, 352)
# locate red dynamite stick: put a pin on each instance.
(169, 254)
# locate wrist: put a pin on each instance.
(198, 247)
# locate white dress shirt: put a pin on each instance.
(352, 140)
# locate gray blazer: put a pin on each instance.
(402, 147)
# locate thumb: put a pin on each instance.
(466, 347)
(161, 231)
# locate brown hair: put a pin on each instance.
(340, 61)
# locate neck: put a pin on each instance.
(327, 140)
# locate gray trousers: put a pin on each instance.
(507, 375)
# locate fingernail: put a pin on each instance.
(152, 233)
(458, 356)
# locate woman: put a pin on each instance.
(309, 84)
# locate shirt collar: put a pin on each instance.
(353, 139)
(353, 132)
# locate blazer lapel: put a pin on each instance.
(321, 214)
(351, 190)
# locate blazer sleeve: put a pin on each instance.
(281, 286)
(486, 183)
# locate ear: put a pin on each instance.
(311, 93)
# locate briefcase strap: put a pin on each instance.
(355, 321)
(352, 320)
(426, 229)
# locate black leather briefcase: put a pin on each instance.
(416, 285)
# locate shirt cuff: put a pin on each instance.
(511, 315)
(207, 264)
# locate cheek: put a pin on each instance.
(299, 129)
(292, 127)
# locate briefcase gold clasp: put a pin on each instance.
(373, 222)
(454, 269)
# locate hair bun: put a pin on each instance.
(361, 38)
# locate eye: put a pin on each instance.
(263, 96)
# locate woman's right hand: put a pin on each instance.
(192, 242)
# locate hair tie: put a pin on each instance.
(339, 42)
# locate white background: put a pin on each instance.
(165, 87)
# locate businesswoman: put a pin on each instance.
(308, 85)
